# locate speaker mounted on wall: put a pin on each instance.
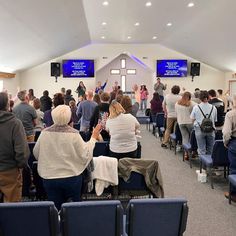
(195, 69)
(55, 69)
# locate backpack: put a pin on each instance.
(207, 124)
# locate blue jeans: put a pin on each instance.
(63, 189)
(232, 159)
(143, 104)
(205, 141)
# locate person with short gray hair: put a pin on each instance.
(14, 152)
(26, 114)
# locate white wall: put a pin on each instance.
(39, 78)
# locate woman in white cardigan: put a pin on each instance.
(62, 157)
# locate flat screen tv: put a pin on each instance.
(172, 68)
(78, 68)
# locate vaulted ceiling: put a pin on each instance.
(32, 32)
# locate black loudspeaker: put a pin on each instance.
(195, 69)
(55, 69)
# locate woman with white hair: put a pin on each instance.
(229, 136)
(122, 129)
(63, 156)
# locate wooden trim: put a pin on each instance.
(7, 75)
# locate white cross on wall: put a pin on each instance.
(123, 72)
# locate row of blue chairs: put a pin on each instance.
(164, 217)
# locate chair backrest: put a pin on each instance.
(135, 182)
(28, 218)
(165, 217)
(92, 218)
(101, 149)
(139, 150)
(177, 133)
(76, 126)
(160, 120)
(193, 141)
(219, 154)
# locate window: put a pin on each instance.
(115, 72)
(123, 81)
(123, 63)
(1, 85)
(131, 72)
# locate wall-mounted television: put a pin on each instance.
(172, 68)
(78, 68)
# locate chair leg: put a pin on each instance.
(225, 172)
(211, 177)
(175, 147)
(183, 155)
(200, 166)
(230, 189)
(190, 158)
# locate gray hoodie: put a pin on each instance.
(14, 150)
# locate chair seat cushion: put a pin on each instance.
(232, 179)
(206, 160)
(186, 146)
(173, 136)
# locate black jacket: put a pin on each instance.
(46, 103)
(14, 150)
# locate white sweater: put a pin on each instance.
(183, 113)
(61, 152)
(122, 130)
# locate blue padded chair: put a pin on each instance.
(163, 217)
(76, 126)
(101, 149)
(28, 218)
(160, 124)
(93, 218)
(218, 158)
(135, 186)
(176, 137)
(190, 147)
(232, 182)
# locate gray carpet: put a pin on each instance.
(209, 211)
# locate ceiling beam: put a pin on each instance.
(5, 75)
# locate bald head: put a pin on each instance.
(90, 95)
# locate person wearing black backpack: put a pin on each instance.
(204, 116)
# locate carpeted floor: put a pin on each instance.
(209, 211)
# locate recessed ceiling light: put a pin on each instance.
(104, 23)
(129, 37)
(169, 24)
(103, 37)
(105, 3)
(148, 4)
(137, 24)
(191, 4)
(154, 37)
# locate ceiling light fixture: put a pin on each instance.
(148, 4)
(191, 4)
(129, 37)
(154, 37)
(105, 3)
(103, 37)
(104, 23)
(169, 24)
(137, 24)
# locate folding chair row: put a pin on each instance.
(164, 217)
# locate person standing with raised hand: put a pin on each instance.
(100, 86)
(159, 87)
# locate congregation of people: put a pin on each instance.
(62, 153)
